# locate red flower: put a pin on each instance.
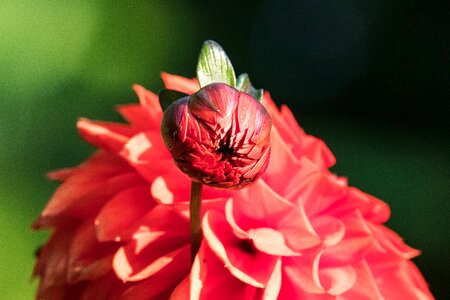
(120, 224)
(218, 136)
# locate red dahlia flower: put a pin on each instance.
(120, 221)
(218, 136)
(120, 224)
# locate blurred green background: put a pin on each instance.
(370, 77)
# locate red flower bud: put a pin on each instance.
(218, 136)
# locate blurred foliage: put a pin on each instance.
(371, 78)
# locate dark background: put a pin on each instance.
(371, 78)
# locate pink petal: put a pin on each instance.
(365, 287)
(399, 279)
(303, 272)
(307, 273)
(259, 206)
(249, 265)
(337, 280)
(271, 242)
(392, 242)
(320, 191)
(331, 230)
(210, 280)
(358, 241)
(260, 202)
(297, 229)
(371, 208)
(284, 166)
(301, 144)
(301, 170)
(274, 284)
(130, 204)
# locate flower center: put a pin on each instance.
(247, 247)
(225, 150)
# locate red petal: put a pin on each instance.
(130, 205)
(140, 151)
(181, 84)
(103, 288)
(154, 259)
(182, 291)
(52, 262)
(62, 174)
(92, 184)
(140, 118)
(108, 136)
(88, 259)
(148, 100)
(171, 188)
(160, 234)
(161, 284)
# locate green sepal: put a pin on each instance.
(167, 97)
(243, 84)
(214, 66)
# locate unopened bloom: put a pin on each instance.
(218, 136)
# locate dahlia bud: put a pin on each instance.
(218, 136)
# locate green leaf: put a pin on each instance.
(214, 65)
(167, 97)
(243, 84)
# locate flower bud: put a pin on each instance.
(218, 136)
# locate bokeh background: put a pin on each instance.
(369, 77)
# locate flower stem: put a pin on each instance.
(195, 222)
